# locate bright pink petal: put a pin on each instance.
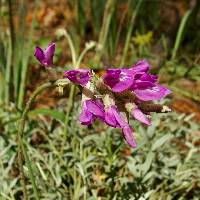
(49, 53)
(128, 136)
(80, 76)
(39, 54)
(118, 79)
(140, 66)
(121, 121)
(110, 117)
(95, 108)
(155, 93)
(85, 117)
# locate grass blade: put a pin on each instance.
(52, 113)
(180, 33)
(129, 32)
(109, 9)
(25, 59)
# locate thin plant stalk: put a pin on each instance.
(121, 23)
(72, 89)
(19, 50)
(21, 171)
(11, 24)
(71, 46)
(109, 9)
(180, 33)
(86, 49)
(25, 60)
(76, 62)
(21, 148)
(129, 32)
(10, 47)
(69, 108)
(8, 72)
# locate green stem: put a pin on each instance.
(86, 49)
(20, 163)
(69, 106)
(25, 60)
(128, 35)
(21, 148)
(19, 48)
(180, 33)
(8, 72)
(11, 24)
(72, 88)
(109, 9)
(71, 46)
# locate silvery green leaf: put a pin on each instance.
(158, 143)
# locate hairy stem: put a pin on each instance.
(21, 147)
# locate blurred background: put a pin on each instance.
(71, 161)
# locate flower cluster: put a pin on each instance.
(115, 96)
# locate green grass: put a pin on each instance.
(94, 163)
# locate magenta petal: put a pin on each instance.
(138, 115)
(49, 53)
(118, 79)
(45, 57)
(121, 121)
(143, 84)
(95, 108)
(123, 85)
(155, 93)
(128, 136)
(140, 66)
(39, 54)
(80, 76)
(148, 77)
(110, 117)
(111, 77)
(114, 118)
(85, 117)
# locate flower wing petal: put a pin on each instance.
(155, 93)
(118, 79)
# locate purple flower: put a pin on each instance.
(45, 57)
(118, 79)
(91, 110)
(79, 76)
(122, 79)
(115, 119)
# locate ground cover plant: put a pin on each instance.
(62, 124)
